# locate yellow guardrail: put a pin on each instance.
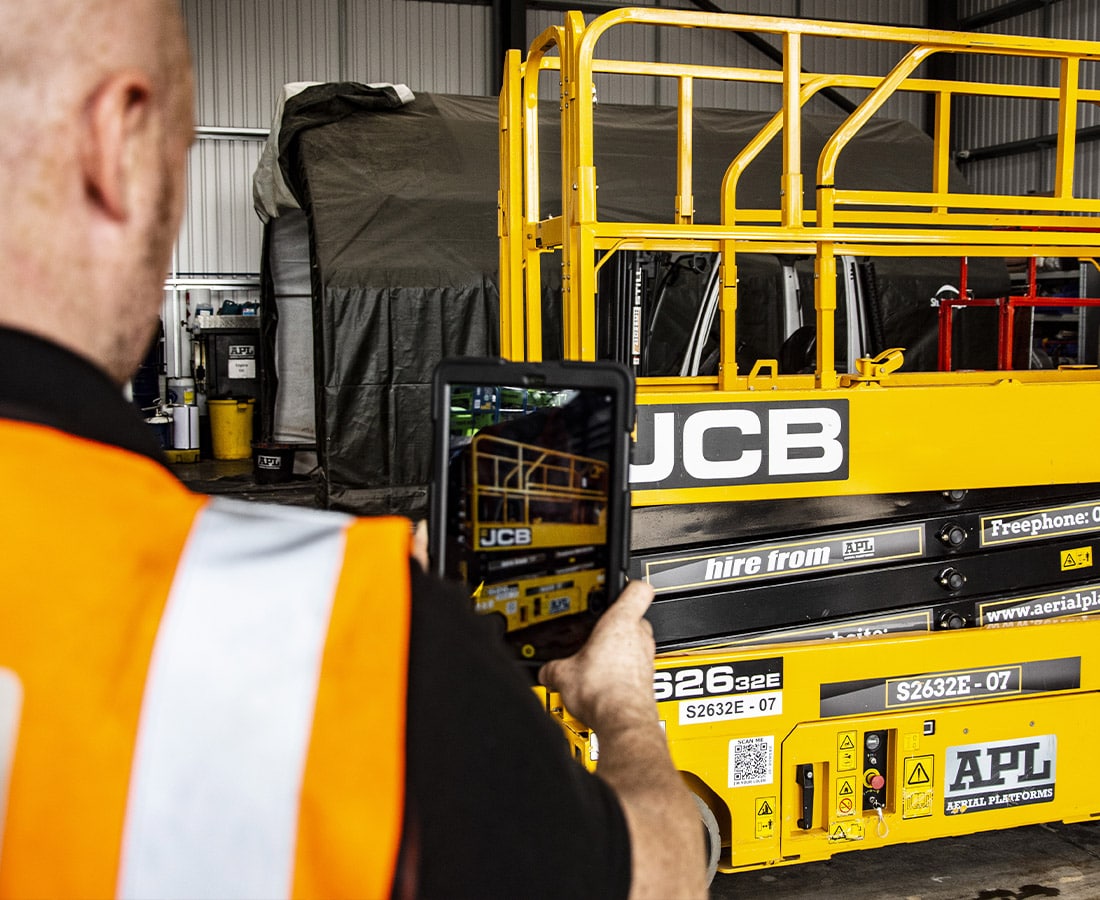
(568, 488)
(847, 220)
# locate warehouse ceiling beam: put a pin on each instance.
(1025, 145)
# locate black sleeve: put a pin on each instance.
(495, 805)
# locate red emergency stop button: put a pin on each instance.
(873, 779)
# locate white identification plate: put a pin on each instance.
(732, 706)
(241, 368)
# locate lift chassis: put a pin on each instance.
(872, 629)
(800, 752)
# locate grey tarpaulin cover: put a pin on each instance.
(400, 200)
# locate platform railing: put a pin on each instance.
(844, 220)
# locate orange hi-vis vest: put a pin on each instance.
(198, 697)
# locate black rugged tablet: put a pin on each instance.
(530, 507)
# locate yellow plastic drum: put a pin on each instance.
(231, 428)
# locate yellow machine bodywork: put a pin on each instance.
(979, 728)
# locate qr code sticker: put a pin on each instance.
(751, 761)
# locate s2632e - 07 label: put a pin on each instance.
(722, 691)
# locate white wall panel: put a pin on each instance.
(436, 47)
(221, 233)
(1023, 174)
(246, 50)
(1086, 176)
(1080, 19)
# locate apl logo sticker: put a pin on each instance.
(859, 548)
(680, 446)
(997, 775)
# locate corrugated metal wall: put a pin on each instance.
(245, 50)
(985, 122)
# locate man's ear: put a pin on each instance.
(116, 120)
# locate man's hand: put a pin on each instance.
(608, 683)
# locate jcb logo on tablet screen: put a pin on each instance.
(504, 537)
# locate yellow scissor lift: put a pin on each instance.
(800, 749)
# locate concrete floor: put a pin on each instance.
(235, 478)
(1036, 861)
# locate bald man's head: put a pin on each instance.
(51, 51)
(96, 100)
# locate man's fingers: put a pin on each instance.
(419, 549)
(634, 600)
(546, 675)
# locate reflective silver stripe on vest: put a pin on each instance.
(228, 706)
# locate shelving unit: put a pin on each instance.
(1064, 334)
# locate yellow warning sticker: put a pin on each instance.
(916, 804)
(1079, 558)
(847, 831)
(911, 741)
(765, 817)
(846, 751)
(918, 771)
(846, 795)
(916, 786)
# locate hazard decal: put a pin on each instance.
(1077, 558)
(917, 791)
(765, 817)
(846, 796)
(850, 830)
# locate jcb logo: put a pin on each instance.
(701, 446)
(504, 537)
